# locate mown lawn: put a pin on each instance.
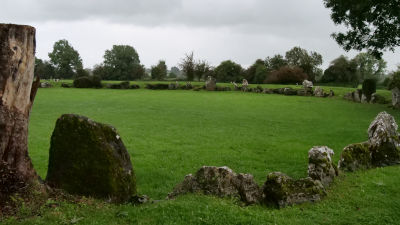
(172, 133)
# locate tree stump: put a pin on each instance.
(17, 92)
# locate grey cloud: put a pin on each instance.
(263, 14)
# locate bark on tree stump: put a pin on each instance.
(17, 92)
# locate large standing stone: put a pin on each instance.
(211, 83)
(381, 149)
(396, 98)
(348, 96)
(89, 158)
(364, 99)
(220, 181)
(321, 166)
(384, 140)
(280, 190)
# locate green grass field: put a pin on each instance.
(172, 133)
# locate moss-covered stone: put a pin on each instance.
(355, 156)
(280, 190)
(89, 158)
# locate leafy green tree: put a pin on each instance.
(369, 67)
(373, 25)
(250, 73)
(276, 62)
(393, 80)
(65, 59)
(228, 71)
(82, 73)
(44, 69)
(187, 65)
(309, 62)
(172, 75)
(99, 70)
(159, 72)
(261, 74)
(175, 70)
(201, 70)
(122, 63)
(341, 70)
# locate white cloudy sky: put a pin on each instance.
(216, 30)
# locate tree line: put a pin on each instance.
(122, 62)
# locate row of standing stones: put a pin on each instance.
(381, 149)
(306, 90)
(89, 158)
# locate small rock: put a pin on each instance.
(307, 84)
(45, 85)
(248, 189)
(267, 91)
(219, 181)
(304, 92)
(348, 96)
(280, 190)
(319, 92)
(357, 95)
(396, 98)
(331, 93)
(65, 85)
(320, 165)
(289, 91)
(364, 99)
(173, 86)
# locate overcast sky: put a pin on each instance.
(216, 30)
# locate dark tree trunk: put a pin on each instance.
(17, 92)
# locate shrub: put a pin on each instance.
(124, 84)
(368, 88)
(286, 75)
(88, 82)
(96, 81)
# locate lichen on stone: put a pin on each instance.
(355, 156)
(281, 190)
(221, 182)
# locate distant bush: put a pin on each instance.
(88, 82)
(369, 87)
(286, 75)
